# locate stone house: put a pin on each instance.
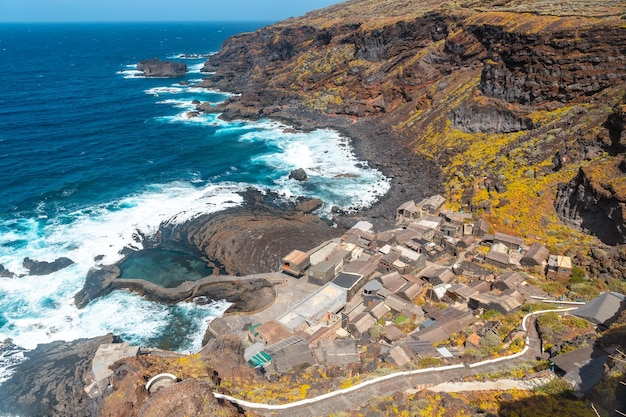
(559, 268)
(407, 212)
(507, 281)
(498, 259)
(361, 324)
(512, 242)
(295, 263)
(268, 333)
(321, 273)
(536, 255)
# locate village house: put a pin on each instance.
(387, 237)
(289, 354)
(503, 303)
(392, 281)
(536, 255)
(321, 253)
(408, 309)
(460, 293)
(432, 205)
(323, 304)
(498, 259)
(386, 263)
(378, 310)
(268, 333)
(295, 263)
(438, 275)
(430, 222)
(511, 242)
(559, 268)
(481, 228)
(455, 217)
(400, 355)
(410, 291)
(392, 334)
(508, 280)
(420, 348)
(366, 267)
(406, 235)
(603, 309)
(421, 232)
(350, 281)
(446, 323)
(407, 212)
(321, 273)
(361, 324)
(339, 352)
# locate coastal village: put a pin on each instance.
(440, 288)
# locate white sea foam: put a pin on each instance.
(334, 173)
(195, 69)
(40, 309)
(191, 56)
(164, 90)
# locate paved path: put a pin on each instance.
(345, 399)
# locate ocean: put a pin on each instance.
(91, 153)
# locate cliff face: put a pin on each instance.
(595, 200)
(490, 90)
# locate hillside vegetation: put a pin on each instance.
(519, 102)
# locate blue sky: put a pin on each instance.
(155, 10)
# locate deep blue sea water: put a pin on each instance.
(91, 153)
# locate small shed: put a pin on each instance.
(498, 259)
(392, 281)
(559, 268)
(400, 355)
(508, 281)
(361, 324)
(295, 263)
(512, 242)
(379, 310)
(407, 211)
(536, 255)
(271, 332)
(322, 272)
(392, 334)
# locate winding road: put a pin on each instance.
(347, 398)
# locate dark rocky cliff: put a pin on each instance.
(496, 90)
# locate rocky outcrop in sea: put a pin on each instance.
(156, 68)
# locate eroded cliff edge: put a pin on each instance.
(508, 92)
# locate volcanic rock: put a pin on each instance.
(298, 175)
(157, 68)
(51, 381)
(97, 284)
(252, 238)
(45, 268)
(5, 273)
